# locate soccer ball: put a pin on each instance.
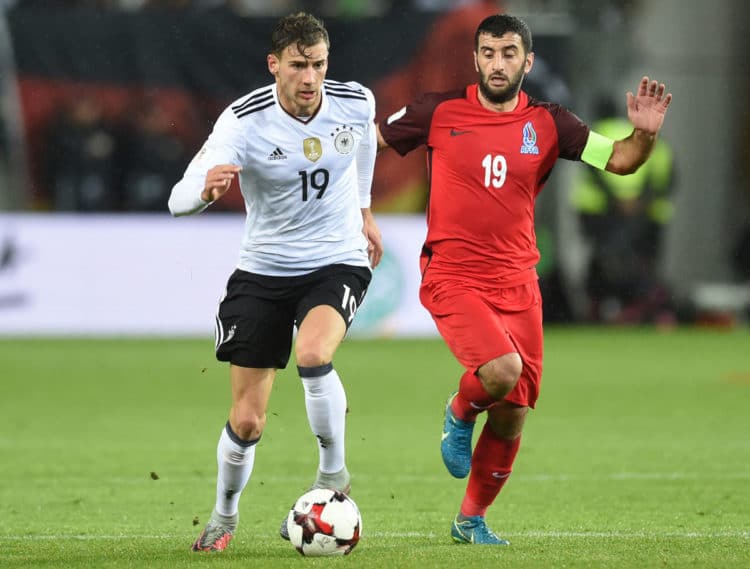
(324, 522)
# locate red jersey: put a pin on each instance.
(485, 170)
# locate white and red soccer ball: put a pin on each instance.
(324, 522)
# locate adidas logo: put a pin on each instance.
(277, 155)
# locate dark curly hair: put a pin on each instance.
(500, 24)
(302, 29)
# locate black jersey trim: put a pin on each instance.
(341, 91)
(334, 83)
(260, 97)
(342, 87)
(341, 96)
(254, 96)
(255, 109)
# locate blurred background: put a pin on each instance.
(104, 102)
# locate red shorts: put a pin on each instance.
(481, 324)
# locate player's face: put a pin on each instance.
(299, 77)
(502, 64)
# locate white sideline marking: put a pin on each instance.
(415, 534)
(533, 477)
(637, 476)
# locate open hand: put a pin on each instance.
(647, 108)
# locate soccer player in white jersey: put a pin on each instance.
(304, 150)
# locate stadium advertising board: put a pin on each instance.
(154, 275)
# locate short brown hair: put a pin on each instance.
(302, 29)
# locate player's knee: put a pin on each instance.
(249, 426)
(500, 376)
(312, 354)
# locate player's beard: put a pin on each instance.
(499, 96)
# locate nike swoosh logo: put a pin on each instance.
(455, 132)
(500, 475)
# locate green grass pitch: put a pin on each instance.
(637, 456)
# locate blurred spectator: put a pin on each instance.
(741, 254)
(345, 8)
(5, 68)
(441, 5)
(69, 3)
(82, 158)
(262, 7)
(153, 158)
(741, 248)
(4, 176)
(623, 218)
(556, 305)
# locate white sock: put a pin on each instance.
(325, 401)
(235, 458)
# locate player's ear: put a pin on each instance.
(476, 65)
(529, 62)
(273, 63)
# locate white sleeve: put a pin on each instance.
(225, 145)
(185, 198)
(366, 152)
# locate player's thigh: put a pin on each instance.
(524, 325)
(251, 388)
(341, 287)
(320, 333)
(255, 321)
(472, 328)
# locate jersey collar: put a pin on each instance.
(306, 120)
(472, 94)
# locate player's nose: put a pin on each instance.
(497, 63)
(308, 76)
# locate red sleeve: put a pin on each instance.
(409, 127)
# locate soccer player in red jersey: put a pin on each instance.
(490, 150)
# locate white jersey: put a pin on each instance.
(300, 180)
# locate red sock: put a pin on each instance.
(472, 398)
(491, 465)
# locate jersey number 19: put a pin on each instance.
(495, 169)
(317, 180)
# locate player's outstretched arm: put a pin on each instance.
(646, 111)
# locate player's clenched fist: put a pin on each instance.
(218, 180)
